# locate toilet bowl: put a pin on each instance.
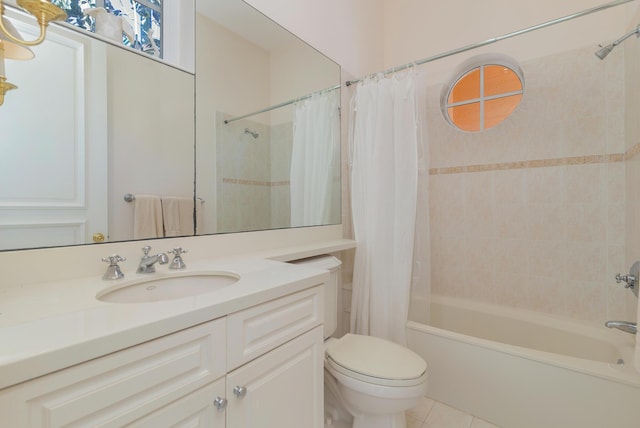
(374, 380)
(369, 382)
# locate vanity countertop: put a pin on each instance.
(49, 326)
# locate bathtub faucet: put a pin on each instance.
(628, 327)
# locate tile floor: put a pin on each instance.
(433, 414)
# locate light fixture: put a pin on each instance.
(9, 49)
(13, 46)
(44, 12)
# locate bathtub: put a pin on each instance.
(524, 369)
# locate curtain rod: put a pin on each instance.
(286, 103)
(495, 39)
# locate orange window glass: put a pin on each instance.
(484, 96)
(499, 79)
(497, 110)
(467, 88)
(466, 116)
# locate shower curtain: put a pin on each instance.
(314, 159)
(384, 174)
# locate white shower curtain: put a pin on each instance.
(314, 158)
(384, 174)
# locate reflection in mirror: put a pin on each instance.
(245, 162)
(162, 29)
(88, 123)
(92, 121)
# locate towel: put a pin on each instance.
(147, 217)
(177, 213)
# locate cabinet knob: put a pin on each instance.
(220, 403)
(240, 391)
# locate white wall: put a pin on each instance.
(143, 158)
(349, 32)
(416, 29)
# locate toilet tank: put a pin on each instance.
(331, 264)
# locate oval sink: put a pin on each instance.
(157, 289)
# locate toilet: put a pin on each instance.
(368, 382)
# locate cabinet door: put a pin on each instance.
(122, 387)
(196, 410)
(283, 388)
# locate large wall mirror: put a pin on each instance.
(96, 133)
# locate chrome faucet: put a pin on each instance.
(147, 262)
(113, 270)
(177, 262)
(627, 327)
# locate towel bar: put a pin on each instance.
(128, 197)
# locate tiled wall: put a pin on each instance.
(281, 148)
(632, 164)
(253, 180)
(244, 176)
(531, 213)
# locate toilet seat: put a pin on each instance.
(376, 361)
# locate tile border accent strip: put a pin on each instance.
(255, 182)
(633, 151)
(538, 163)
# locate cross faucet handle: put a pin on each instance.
(629, 280)
(113, 270)
(113, 259)
(177, 251)
(177, 262)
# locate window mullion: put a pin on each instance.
(482, 98)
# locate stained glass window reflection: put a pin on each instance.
(141, 20)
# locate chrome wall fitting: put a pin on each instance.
(626, 326)
(631, 280)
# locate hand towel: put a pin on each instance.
(177, 213)
(147, 217)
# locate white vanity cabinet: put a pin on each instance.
(283, 387)
(259, 367)
(121, 387)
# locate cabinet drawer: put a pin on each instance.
(258, 329)
(121, 387)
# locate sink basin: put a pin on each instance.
(156, 289)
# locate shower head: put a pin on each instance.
(606, 50)
(602, 53)
(252, 133)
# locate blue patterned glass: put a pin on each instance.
(145, 21)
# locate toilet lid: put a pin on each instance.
(376, 358)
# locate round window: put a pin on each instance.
(483, 94)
